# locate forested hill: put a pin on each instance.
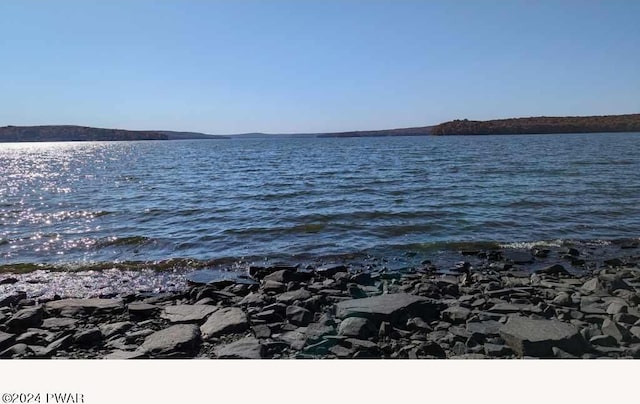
(70, 133)
(542, 124)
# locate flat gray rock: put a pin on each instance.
(529, 337)
(488, 327)
(188, 313)
(358, 327)
(71, 307)
(290, 297)
(225, 321)
(456, 314)
(245, 348)
(125, 355)
(111, 329)
(177, 339)
(387, 307)
(56, 323)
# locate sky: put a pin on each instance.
(225, 67)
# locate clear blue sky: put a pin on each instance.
(313, 66)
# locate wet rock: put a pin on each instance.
(615, 330)
(25, 318)
(245, 348)
(284, 276)
(180, 339)
(187, 313)
(225, 321)
(389, 307)
(58, 323)
(298, 315)
(8, 281)
(529, 337)
(6, 340)
(13, 299)
(555, 269)
(357, 327)
(72, 307)
(292, 296)
(330, 269)
(88, 337)
(111, 329)
(141, 310)
(518, 257)
(456, 314)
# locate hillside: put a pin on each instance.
(172, 135)
(417, 131)
(571, 124)
(70, 133)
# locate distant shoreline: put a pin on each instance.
(512, 126)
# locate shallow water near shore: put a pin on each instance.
(74, 204)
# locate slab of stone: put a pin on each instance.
(58, 323)
(118, 354)
(456, 314)
(495, 350)
(111, 329)
(357, 327)
(536, 338)
(72, 307)
(295, 339)
(25, 318)
(290, 297)
(298, 315)
(176, 339)
(140, 309)
(488, 327)
(88, 337)
(388, 307)
(224, 321)
(188, 313)
(245, 348)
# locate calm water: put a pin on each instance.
(79, 202)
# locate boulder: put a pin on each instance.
(224, 321)
(298, 315)
(245, 348)
(388, 307)
(176, 340)
(615, 330)
(357, 327)
(72, 307)
(529, 337)
(88, 337)
(25, 318)
(290, 297)
(187, 313)
(456, 314)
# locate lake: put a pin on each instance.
(306, 198)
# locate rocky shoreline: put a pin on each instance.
(495, 304)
